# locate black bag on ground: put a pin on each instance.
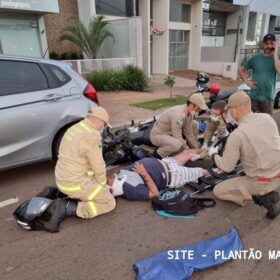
(176, 202)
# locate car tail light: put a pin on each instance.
(91, 94)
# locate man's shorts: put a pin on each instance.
(181, 175)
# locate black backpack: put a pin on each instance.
(176, 202)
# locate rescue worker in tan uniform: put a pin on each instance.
(256, 143)
(219, 123)
(219, 119)
(80, 172)
(176, 124)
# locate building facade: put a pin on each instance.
(22, 28)
(214, 36)
(55, 23)
(178, 34)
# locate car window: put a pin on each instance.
(60, 76)
(20, 77)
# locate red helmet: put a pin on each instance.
(214, 89)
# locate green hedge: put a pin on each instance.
(128, 78)
(65, 56)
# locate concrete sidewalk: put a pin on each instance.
(118, 104)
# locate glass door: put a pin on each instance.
(20, 37)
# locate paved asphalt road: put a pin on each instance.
(107, 247)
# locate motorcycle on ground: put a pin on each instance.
(118, 147)
(215, 94)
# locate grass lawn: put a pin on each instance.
(161, 103)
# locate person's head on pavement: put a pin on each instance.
(196, 103)
(268, 44)
(218, 109)
(239, 105)
(115, 183)
(99, 117)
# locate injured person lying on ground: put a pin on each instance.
(144, 179)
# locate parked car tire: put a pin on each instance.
(277, 101)
(57, 141)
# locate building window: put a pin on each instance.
(214, 24)
(251, 32)
(255, 23)
(178, 49)
(122, 8)
(179, 12)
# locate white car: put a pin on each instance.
(39, 100)
(277, 98)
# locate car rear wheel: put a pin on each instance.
(57, 141)
(277, 101)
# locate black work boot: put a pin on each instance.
(60, 209)
(274, 210)
(51, 193)
(270, 201)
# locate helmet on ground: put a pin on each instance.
(202, 77)
(31, 213)
(214, 89)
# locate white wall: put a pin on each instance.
(144, 12)
(217, 54)
(160, 43)
(230, 70)
(135, 40)
(86, 10)
(213, 41)
(43, 37)
(195, 35)
(218, 68)
(265, 26)
(232, 22)
(179, 25)
(226, 69)
(128, 40)
(222, 49)
(120, 46)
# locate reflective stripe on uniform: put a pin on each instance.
(92, 208)
(72, 131)
(85, 126)
(67, 137)
(268, 180)
(69, 189)
(95, 192)
(76, 129)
